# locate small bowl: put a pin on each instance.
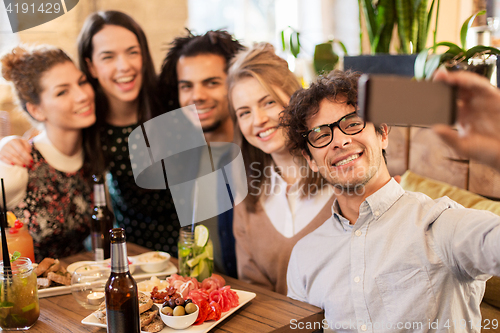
(152, 262)
(180, 322)
(105, 264)
(87, 285)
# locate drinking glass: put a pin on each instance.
(19, 307)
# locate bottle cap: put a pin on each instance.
(117, 235)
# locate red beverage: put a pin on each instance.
(19, 239)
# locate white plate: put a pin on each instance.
(244, 296)
(138, 275)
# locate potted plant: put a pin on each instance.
(411, 18)
(456, 57)
(324, 58)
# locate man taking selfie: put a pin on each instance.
(387, 260)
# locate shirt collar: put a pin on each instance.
(378, 203)
(277, 180)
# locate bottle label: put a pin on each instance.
(119, 260)
(99, 254)
(99, 195)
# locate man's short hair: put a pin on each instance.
(218, 42)
(338, 86)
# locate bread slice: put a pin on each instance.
(64, 279)
(155, 326)
(43, 266)
(145, 302)
(148, 316)
(53, 268)
(100, 313)
(42, 283)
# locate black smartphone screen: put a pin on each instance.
(396, 100)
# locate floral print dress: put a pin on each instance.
(57, 209)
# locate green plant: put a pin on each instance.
(455, 57)
(412, 18)
(290, 41)
(325, 58)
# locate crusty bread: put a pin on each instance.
(101, 313)
(43, 266)
(145, 302)
(155, 326)
(42, 283)
(64, 279)
(53, 268)
(148, 316)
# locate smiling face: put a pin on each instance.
(117, 63)
(349, 161)
(202, 82)
(67, 99)
(257, 113)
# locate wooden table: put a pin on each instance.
(267, 312)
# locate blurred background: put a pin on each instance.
(318, 21)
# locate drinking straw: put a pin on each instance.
(5, 250)
(195, 202)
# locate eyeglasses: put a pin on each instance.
(321, 136)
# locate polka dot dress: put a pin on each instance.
(148, 216)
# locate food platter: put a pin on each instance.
(244, 297)
(138, 275)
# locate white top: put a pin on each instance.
(288, 212)
(16, 177)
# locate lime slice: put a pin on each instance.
(29, 307)
(201, 235)
(204, 270)
(195, 271)
(192, 262)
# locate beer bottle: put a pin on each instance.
(102, 222)
(122, 301)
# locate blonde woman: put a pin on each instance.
(286, 200)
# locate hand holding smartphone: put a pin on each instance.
(396, 100)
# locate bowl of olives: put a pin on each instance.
(179, 314)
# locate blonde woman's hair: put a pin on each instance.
(261, 63)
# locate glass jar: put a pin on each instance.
(19, 308)
(194, 261)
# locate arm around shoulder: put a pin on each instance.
(15, 180)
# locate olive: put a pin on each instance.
(189, 300)
(165, 304)
(179, 301)
(171, 303)
(167, 311)
(179, 311)
(190, 308)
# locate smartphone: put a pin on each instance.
(397, 100)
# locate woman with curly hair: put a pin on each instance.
(53, 196)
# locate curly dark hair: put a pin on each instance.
(218, 42)
(25, 66)
(337, 86)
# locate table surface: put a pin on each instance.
(267, 312)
